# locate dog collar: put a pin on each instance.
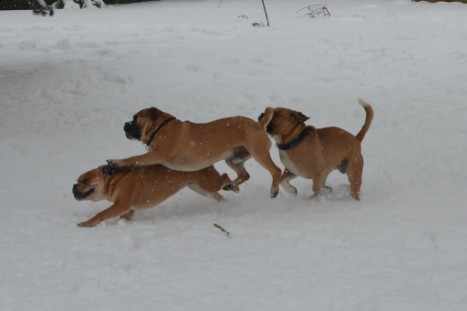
(295, 141)
(158, 129)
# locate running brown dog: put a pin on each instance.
(142, 187)
(313, 153)
(187, 146)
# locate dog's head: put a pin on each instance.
(144, 123)
(280, 121)
(90, 186)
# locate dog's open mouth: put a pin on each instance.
(81, 195)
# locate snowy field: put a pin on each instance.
(68, 84)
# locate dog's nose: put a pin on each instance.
(127, 127)
(75, 189)
(261, 116)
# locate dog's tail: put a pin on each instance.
(368, 119)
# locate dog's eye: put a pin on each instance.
(135, 118)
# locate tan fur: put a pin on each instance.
(320, 152)
(143, 187)
(187, 146)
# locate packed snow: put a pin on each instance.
(68, 84)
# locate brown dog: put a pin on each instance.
(187, 146)
(142, 187)
(313, 153)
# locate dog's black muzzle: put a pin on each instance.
(268, 127)
(80, 195)
(261, 116)
(131, 130)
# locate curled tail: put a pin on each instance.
(368, 119)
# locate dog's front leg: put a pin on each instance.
(150, 158)
(285, 178)
(116, 209)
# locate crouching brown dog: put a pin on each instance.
(142, 187)
(187, 146)
(313, 153)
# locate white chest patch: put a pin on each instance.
(288, 163)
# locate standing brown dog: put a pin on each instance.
(142, 187)
(187, 146)
(313, 153)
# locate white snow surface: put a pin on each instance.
(68, 84)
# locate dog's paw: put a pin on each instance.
(86, 224)
(112, 162)
(229, 187)
(289, 188)
(108, 169)
(274, 194)
(128, 216)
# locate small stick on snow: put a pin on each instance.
(227, 233)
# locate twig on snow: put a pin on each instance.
(227, 233)
(315, 10)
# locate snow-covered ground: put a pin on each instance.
(68, 83)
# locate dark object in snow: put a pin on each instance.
(265, 12)
(258, 25)
(314, 10)
(124, 1)
(52, 5)
(38, 8)
(435, 1)
(15, 5)
(48, 9)
(227, 233)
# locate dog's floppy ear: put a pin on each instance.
(266, 117)
(153, 113)
(300, 116)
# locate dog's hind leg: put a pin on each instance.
(236, 162)
(210, 194)
(242, 173)
(326, 187)
(285, 178)
(128, 216)
(354, 174)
